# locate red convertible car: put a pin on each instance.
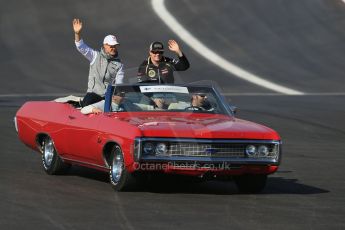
(171, 129)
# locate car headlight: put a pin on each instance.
(149, 148)
(250, 150)
(161, 148)
(263, 151)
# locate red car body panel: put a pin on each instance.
(194, 125)
(81, 139)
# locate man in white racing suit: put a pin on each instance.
(105, 65)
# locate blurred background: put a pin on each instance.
(297, 44)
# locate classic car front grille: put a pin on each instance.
(169, 148)
(233, 150)
(206, 150)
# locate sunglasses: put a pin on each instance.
(157, 52)
(112, 47)
(121, 94)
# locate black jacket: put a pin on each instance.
(163, 73)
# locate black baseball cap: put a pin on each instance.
(156, 46)
(200, 92)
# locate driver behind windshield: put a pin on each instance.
(162, 101)
(159, 102)
(199, 102)
(158, 68)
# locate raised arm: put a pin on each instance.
(182, 62)
(83, 48)
(174, 47)
(77, 26)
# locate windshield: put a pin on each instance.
(167, 98)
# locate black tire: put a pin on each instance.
(51, 161)
(120, 178)
(251, 183)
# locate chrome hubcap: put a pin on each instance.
(117, 166)
(48, 152)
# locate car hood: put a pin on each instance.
(199, 126)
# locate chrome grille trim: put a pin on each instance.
(206, 150)
(211, 149)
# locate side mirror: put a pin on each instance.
(233, 109)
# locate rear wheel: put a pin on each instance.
(120, 178)
(251, 183)
(51, 161)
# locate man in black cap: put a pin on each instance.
(199, 102)
(158, 68)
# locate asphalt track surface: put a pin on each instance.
(298, 44)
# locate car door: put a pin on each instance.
(83, 137)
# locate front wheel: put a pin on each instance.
(251, 183)
(120, 178)
(51, 161)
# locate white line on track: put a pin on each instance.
(194, 43)
(170, 21)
